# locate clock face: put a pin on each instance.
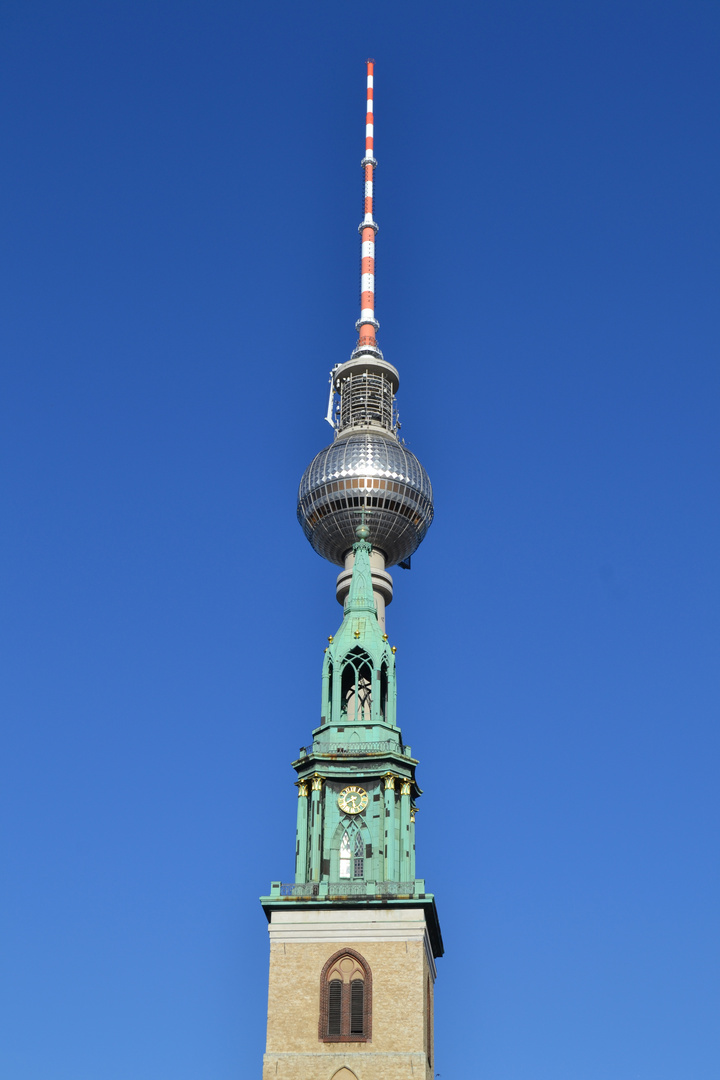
(353, 800)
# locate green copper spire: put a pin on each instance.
(355, 835)
(359, 667)
(360, 596)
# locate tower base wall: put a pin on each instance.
(376, 1066)
(395, 945)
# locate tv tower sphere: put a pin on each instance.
(366, 468)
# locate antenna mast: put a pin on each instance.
(367, 324)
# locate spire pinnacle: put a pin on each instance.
(360, 596)
(367, 324)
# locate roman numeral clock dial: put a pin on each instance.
(353, 800)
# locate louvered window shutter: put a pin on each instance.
(357, 1003)
(334, 1006)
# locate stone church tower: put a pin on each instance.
(353, 940)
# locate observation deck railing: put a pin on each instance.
(328, 890)
(353, 749)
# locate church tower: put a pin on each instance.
(353, 940)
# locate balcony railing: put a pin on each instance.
(302, 889)
(324, 890)
(352, 749)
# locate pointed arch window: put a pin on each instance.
(356, 687)
(345, 998)
(329, 705)
(352, 856)
(384, 691)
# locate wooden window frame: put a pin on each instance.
(345, 1001)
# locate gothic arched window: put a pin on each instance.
(352, 856)
(383, 691)
(345, 998)
(356, 687)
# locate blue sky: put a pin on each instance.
(181, 193)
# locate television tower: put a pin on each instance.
(354, 938)
(366, 467)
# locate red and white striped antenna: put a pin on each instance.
(367, 324)
(366, 383)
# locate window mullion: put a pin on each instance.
(345, 1013)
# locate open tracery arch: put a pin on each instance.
(351, 855)
(356, 686)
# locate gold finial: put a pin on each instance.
(393, 650)
(331, 639)
(357, 633)
(385, 637)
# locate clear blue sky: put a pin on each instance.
(180, 198)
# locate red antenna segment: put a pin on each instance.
(367, 324)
